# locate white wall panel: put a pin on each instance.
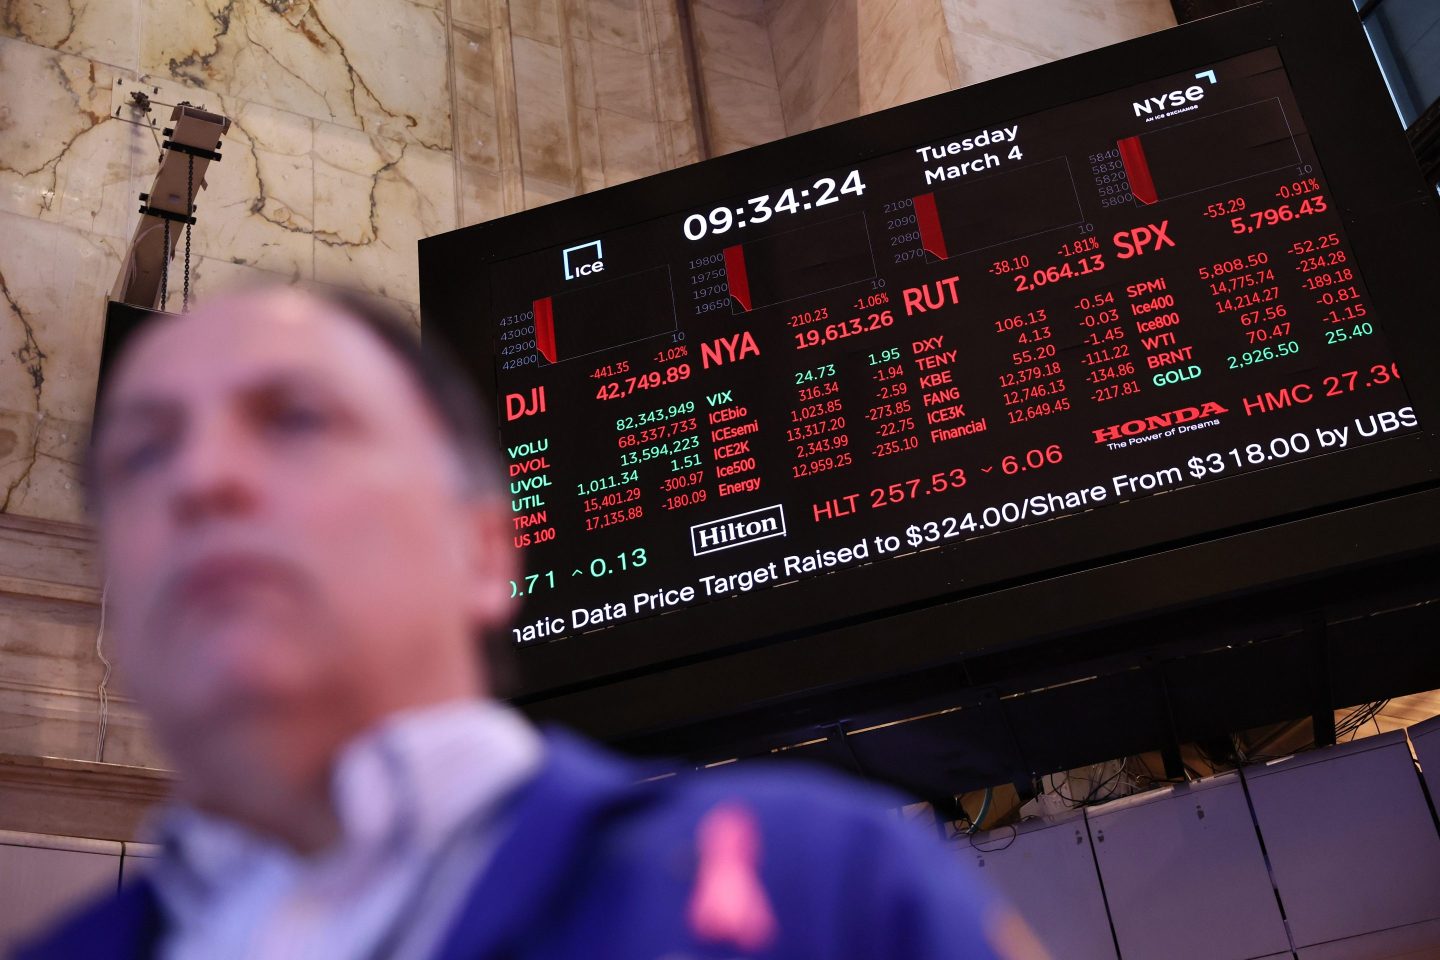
(43, 877)
(1425, 737)
(139, 857)
(1174, 861)
(1418, 941)
(1048, 872)
(1352, 845)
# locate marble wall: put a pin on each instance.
(358, 127)
(735, 64)
(989, 39)
(856, 57)
(774, 68)
(560, 97)
(340, 156)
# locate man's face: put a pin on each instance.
(284, 524)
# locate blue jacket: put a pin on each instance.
(598, 866)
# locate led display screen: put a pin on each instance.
(885, 369)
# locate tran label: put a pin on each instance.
(583, 259)
(715, 535)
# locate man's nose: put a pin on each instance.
(215, 474)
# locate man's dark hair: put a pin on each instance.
(448, 391)
(452, 396)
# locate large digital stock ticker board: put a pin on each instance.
(1005, 325)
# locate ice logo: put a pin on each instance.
(579, 262)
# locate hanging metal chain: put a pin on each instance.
(189, 222)
(165, 270)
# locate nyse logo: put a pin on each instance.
(583, 260)
(1175, 98)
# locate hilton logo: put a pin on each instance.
(716, 535)
(583, 260)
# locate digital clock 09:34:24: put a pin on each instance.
(759, 209)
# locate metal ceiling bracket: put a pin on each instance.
(192, 143)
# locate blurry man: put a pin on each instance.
(304, 535)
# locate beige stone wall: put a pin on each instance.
(739, 86)
(990, 39)
(339, 158)
(560, 97)
(859, 56)
(358, 126)
(773, 68)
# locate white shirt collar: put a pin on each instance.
(400, 790)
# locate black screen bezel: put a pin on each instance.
(1391, 220)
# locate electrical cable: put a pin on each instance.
(1346, 728)
(1010, 840)
(103, 721)
(1097, 784)
(1350, 725)
(979, 818)
(984, 810)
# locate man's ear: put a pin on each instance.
(493, 562)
